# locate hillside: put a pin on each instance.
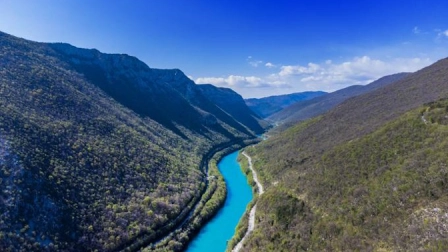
(232, 103)
(267, 106)
(369, 175)
(90, 157)
(310, 108)
(167, 96)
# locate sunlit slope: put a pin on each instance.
(369, 175)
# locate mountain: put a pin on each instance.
(233, 104)
(267, 106)
(98, 150)
(310, 108)
(369, 175)
(167, 96)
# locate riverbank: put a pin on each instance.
(247, 223)
(215, 234)
(212, 198)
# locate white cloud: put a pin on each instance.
(238, 81)
(357, 71)
(443, 33)
(326, 76)
(270, 65)
(296, 70)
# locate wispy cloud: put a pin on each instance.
(270, 65)
(416, 30)
(326, 76)
(443, 33)
(253, 62)
(359, 70)
(233, 81)
(297, 70)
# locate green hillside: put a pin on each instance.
(370, 175)
(84, 164)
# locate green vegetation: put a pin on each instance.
(210, 202)
(368, 175)
(85, 166)
(241, 228)
(382, 191)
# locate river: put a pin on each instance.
(215, 234)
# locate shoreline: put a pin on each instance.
(251, 222)
(192, 224)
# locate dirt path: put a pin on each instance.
(251, 224)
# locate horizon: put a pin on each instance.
(258, 49)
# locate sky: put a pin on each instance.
(257, 48)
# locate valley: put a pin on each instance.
(96, 157)
(368, 175)
(222, 227)
(100, 152)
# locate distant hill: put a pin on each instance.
(267, 106)
(370, 169)
(97, 149)
(307, 109)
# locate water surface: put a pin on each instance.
(214, 236)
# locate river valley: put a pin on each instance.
(214, 235)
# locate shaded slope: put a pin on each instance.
(89, 157)
(233, 104)
(306, 109)
(264, 107)
(167, 96)
(367, 175)
(76, 166)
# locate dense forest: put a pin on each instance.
(89, 160)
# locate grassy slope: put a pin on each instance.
(384, 190)
(370, 174)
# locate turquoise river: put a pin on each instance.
(214, 236)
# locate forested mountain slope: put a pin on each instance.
(267, 106)
(167, 96)
(310, 108)
(232, 103)
(371, 174)
(90, 156)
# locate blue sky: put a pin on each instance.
(257, 48)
